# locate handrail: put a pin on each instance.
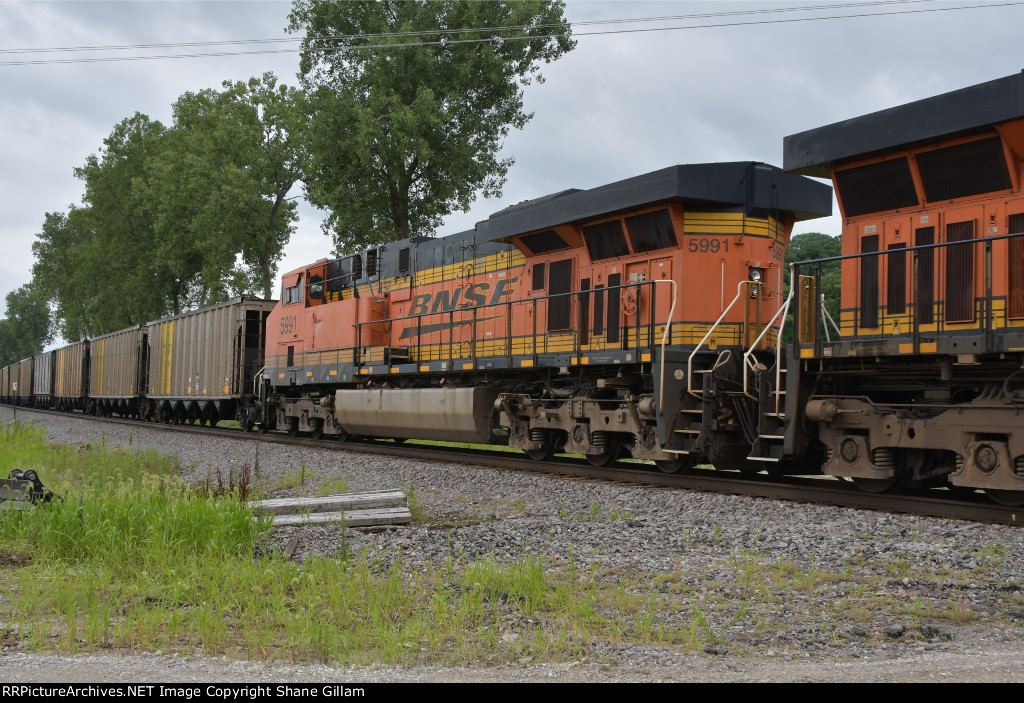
(689, 361)
(783, 311)
(257, 381)
(665, 336)
(828, 317)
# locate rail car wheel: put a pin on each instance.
(292, 423)
(880, 485)
(317, 430)
(1011, 499)
(681, 464)
(264, 428)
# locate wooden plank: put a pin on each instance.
(353, 518)
(331, 503)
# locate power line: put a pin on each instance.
(434, 32)
(490, 40)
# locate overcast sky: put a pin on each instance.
(617, 106)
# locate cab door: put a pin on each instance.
(290, 334)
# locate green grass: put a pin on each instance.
(133, 558)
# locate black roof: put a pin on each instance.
(742, 185)
(813, 152)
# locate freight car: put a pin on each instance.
(621, 318)
(197, 366)
(117, 373)
(923, 384)
(202, 365)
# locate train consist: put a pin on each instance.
(644, 318)
(200, 366)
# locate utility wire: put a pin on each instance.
(488, 40)
(435, 32)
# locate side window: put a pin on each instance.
(292, 294)
(539, 282)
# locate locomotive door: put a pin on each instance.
(290, 336)
(661, 270)
(635, 301)
(560, 336)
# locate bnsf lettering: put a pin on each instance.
(470, 296)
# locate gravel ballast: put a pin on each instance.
(874, 597)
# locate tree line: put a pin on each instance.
(396, 122)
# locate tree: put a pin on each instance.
(174, 218)
(410, 101)
(102, 262)
(232, 160)
(26, 329)
(807, 247)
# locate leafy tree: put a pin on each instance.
(101, 262)
(410, 100)
(232, 159)
(174, 218)
(26, 329)
(810, 246)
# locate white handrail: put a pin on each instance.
(829, 318)
(256, 381)
(689, 361)
(783, 311)
(665, 336)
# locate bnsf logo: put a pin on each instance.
(465, 297)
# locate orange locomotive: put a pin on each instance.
(593, 322)
(923, 385)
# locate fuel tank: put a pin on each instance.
(447, 414)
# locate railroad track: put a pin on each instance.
(820, 490)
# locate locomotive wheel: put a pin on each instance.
(880, 485)
(264, 428)
(1011, 499)
(680, 464)
(733, 457)
(317, 431)
(546, 451)
(293, 426)
(606, 458)
(541, 454)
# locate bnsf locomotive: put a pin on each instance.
(923, 383)
(594, 322)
